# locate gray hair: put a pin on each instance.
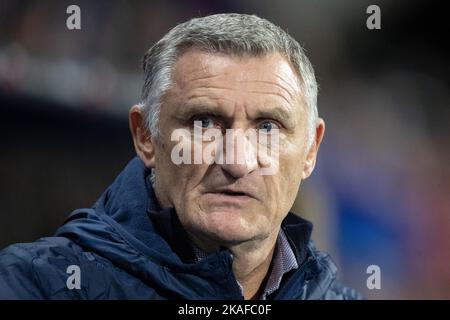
(233, 34)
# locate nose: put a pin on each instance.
(240, 155)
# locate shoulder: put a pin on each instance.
(332, 289)
(338, 291)
(40, 269)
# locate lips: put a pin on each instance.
(234, 192)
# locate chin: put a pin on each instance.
(230, 227)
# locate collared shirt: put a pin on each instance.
(283, 261)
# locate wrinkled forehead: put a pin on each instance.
(270, 73)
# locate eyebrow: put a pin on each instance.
(280, 114)
(187, 111)
(277, 113)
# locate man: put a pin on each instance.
(170, 229)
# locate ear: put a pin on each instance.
(143, 141)
(310, 160)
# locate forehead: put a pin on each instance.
(271, 76)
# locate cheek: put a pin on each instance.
(180, 181)
(291, 169)
(292, 157)
(283, 187)
(165, 167)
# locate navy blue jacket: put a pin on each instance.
(126, 247)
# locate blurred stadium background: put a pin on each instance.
(381, 190)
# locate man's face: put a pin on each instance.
(227, 204)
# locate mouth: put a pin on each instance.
(232, 195)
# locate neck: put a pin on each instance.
(251, 261)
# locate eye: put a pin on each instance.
(268, 126)
(204, 121)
